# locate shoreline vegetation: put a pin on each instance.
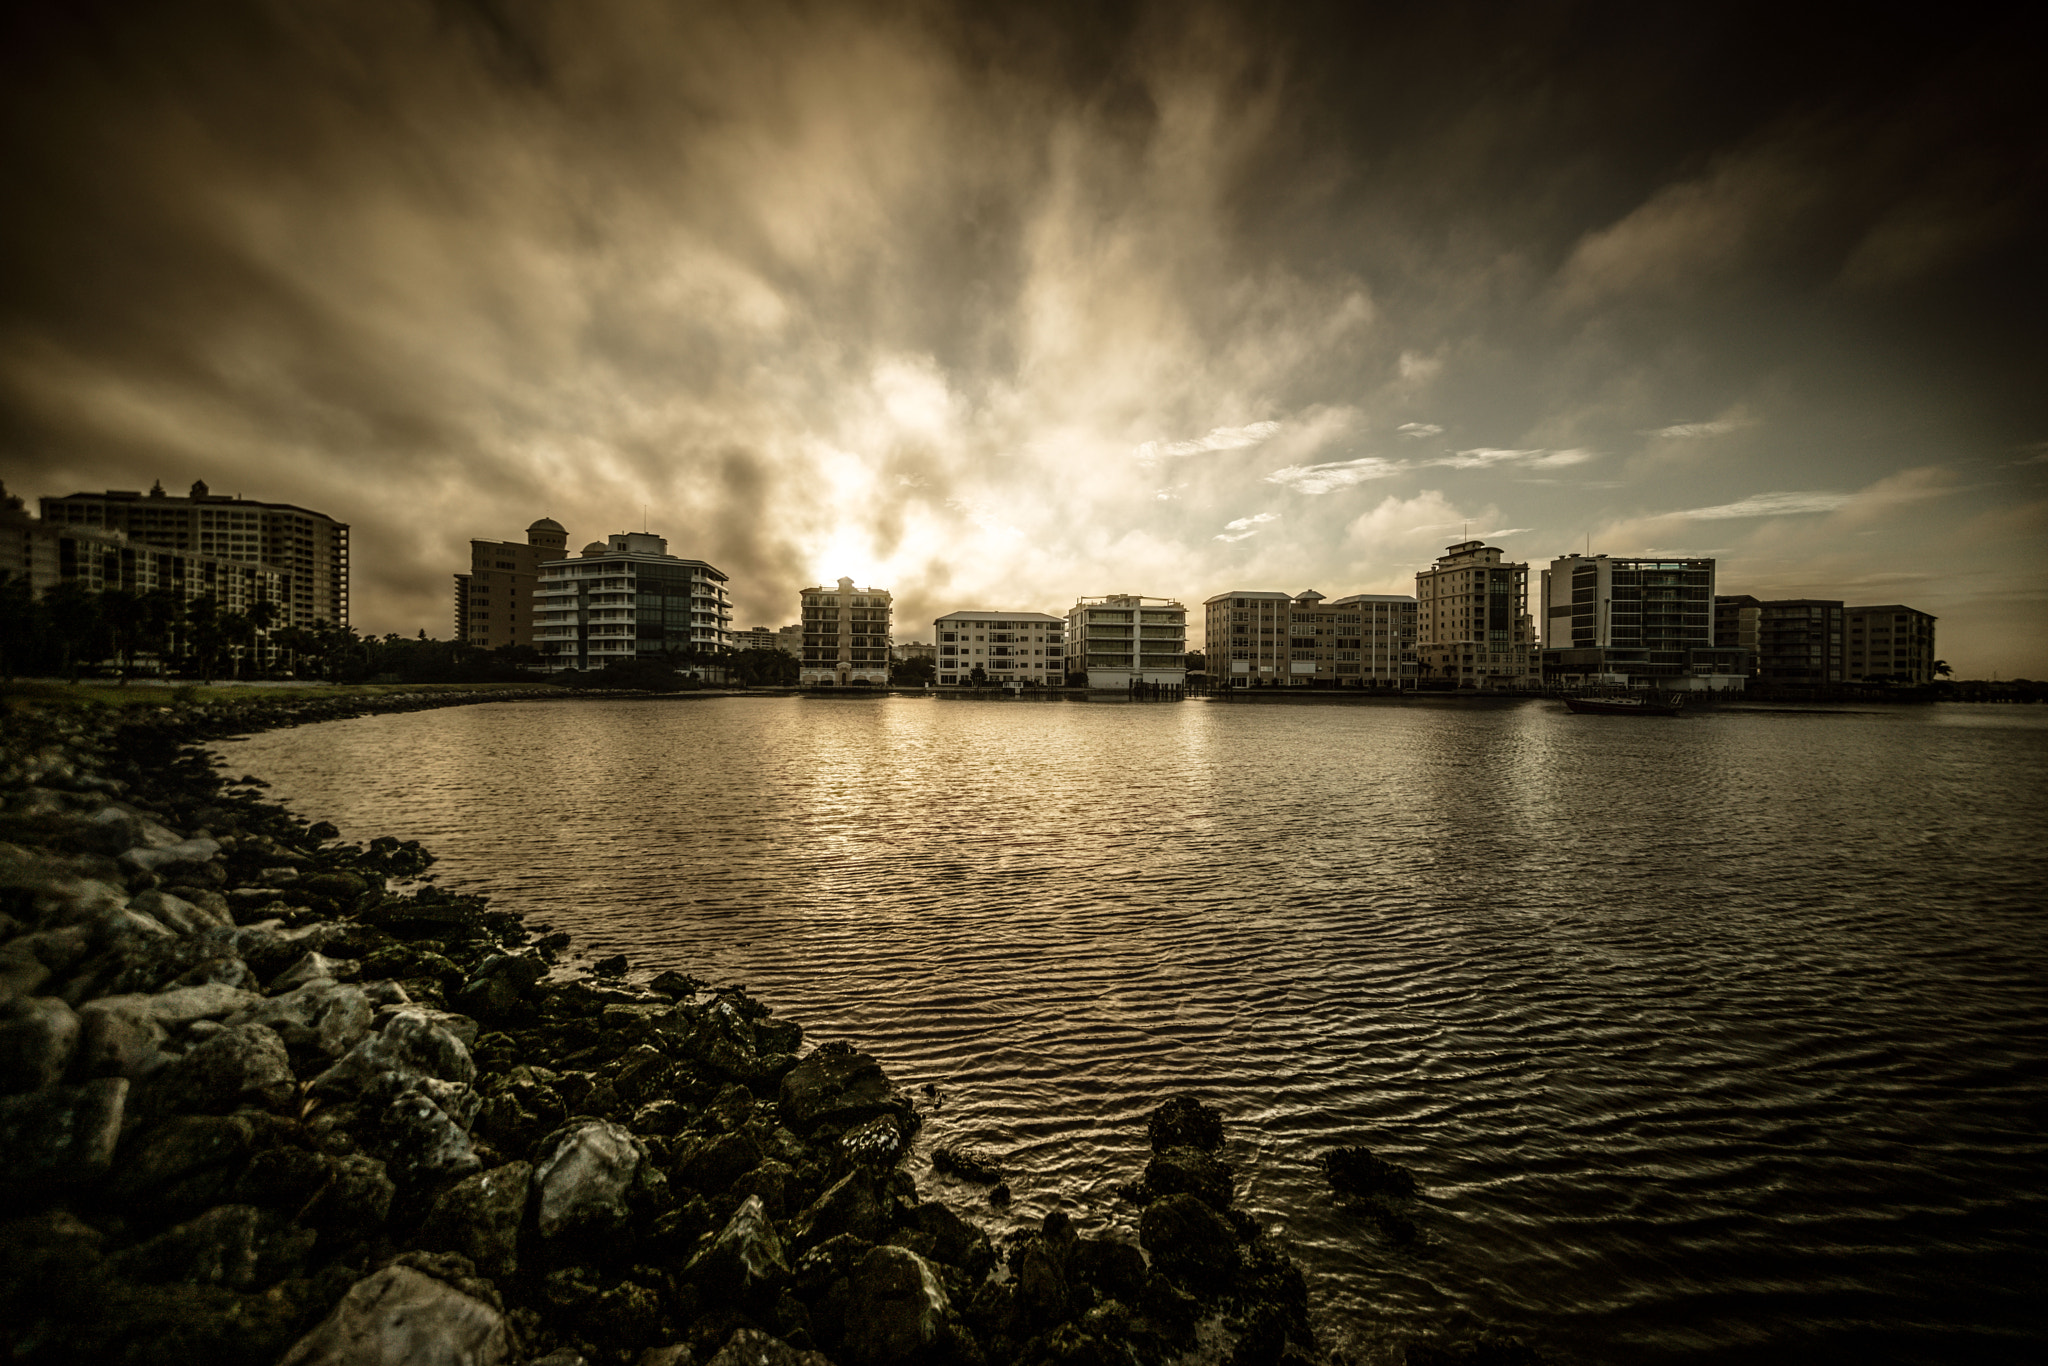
(266, 1096)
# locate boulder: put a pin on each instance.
(752, 1347)
(583, 1176)
(237, 1246)
(177, 1008)
(321, 1016)
(837, 1085)
(855, 1204)
(399, 1315)
(719, 1036)
(746, 1260)
(479, 1217)
(898, 1307)
(1189, 1241)
(1174, 1171)
(187, 1162)
(176, 913)
(171, 857)
(717, 1162)
(313, 967)
(60, 1135)
(242, 1065)
(1360, 1171)
(37, 1038)
(1184, 1122)
(357, 1196)
(410, 1045)
(118, 1043)
(967, 1163)
(423, 1131)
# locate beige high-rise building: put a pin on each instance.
(1268, 639)
(1891, 644)
(494, 601)
(846, 636)
(1472, 624)
(1122, 639)
(1009, 647)
(626, 599)
(308, 550)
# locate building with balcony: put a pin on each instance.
(1890, 644)
(1644, 622)
(628, 599)
(1123, 639)
(759, 638)
(1260, 638)
(846, 636)
(1472, 620)
(1799, 642)
(495, 600)
(306, 550)
(1010, 647)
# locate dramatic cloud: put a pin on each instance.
(1010, 304)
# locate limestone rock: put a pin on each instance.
(479, 1217)
(237, 1246)
(162, 860)
(1189, 1241)
(61, 1134)
(854, 1204)
(37, 1038)
(837, 1085)
(243, 1065)
(746, 1259)
(178, 1008)
(177, 913)
(1173, 1171)
(118, 1043)
(752, 1347)
(320, 1014)
(410, 1045)
(1184, 1122)
(402, 1317)
(898, 1307)
(583, 1176)
(314, 967)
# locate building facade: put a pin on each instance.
(1472, 620)
(1799, 642)
(911, 650)
(758, 638)
(846, 636)
(1123, 639)
(628, 599)
(308, 550)
(1634, 622)
(1259, 638)
(1890, 644)
(494, 601)
(1009, 647)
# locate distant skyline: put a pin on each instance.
(1002, 305)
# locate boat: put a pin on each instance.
(1622, 706)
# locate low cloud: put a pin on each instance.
(1769, 505)
(1246, 526)
(1680, 431)
(1218, 439)
(1419, 429)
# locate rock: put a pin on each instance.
(752, 1347)
(776, 1185)
(837, 1085)
(584, 1175)
(178, 1008)
(177, 913)
(463, 1027)
(1041, 1285)
(423, 1131)
(399, 1315)
(479, 1217)
(237, 1246)
(320, 1016)
(854, 1204)
(118, 1043)
(969, 1164)
(37, 1038)
(1189, 1241)
(746, 1260)
(1184, 1122)
(312, 968)
(956, 1242)
(626, 1314)
(358, 1195)
(1359, 1171)
(718, 1162)
(409, 1046)
(877, 1143)
(187, 1162)
(60, 1135)
(660, 1117)
(614, 966)
(898, 1307)
(119, 828)
(21, 972)
(1173, 1171)
(719, 1036)
(243, 1065)
(168, 858)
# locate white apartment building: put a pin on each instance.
(1472, 624)
(1010, 647)
(846, 636)
(1123, 639)
(1259, 638)
(625, 600)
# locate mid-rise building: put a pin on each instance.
(495, 600)
(790, 639)
(1472, 620)
(1737, 617)
(1634, 622)
(759, 638)
(1889, 644)
(915, 649)
(628, 599)
(1799, 642)
(307, 550)
(1124, 639)
(1009, 647)
(1259, 637)
(846, 636)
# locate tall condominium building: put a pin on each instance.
(1472, 620)
(846, 636)
(494, 601)
(1642, 622)
(625, 600)
(790, 639)
(1122, 639)
(1010, 647)
(1257, 637)
(1890, 644)
(1799, 642)
(759, 638)
(1736, 619)
(307, 550)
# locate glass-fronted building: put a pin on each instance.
(629, 599)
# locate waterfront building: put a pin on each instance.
(1736, 619)
(790, 639)
(1010, 647)
(759, 638)
(1123, 638)
(308, 551)
(1799, 642)
(846, 636)
(495, 600)
(28, 548)
(1256, 637)
(1472, 620)
(1634, 621)
(1889, 644)
(915, 649)
(628, 599)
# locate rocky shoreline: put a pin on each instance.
(265, 1097)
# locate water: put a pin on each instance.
(1714, 1039)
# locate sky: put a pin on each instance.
(998, 305)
